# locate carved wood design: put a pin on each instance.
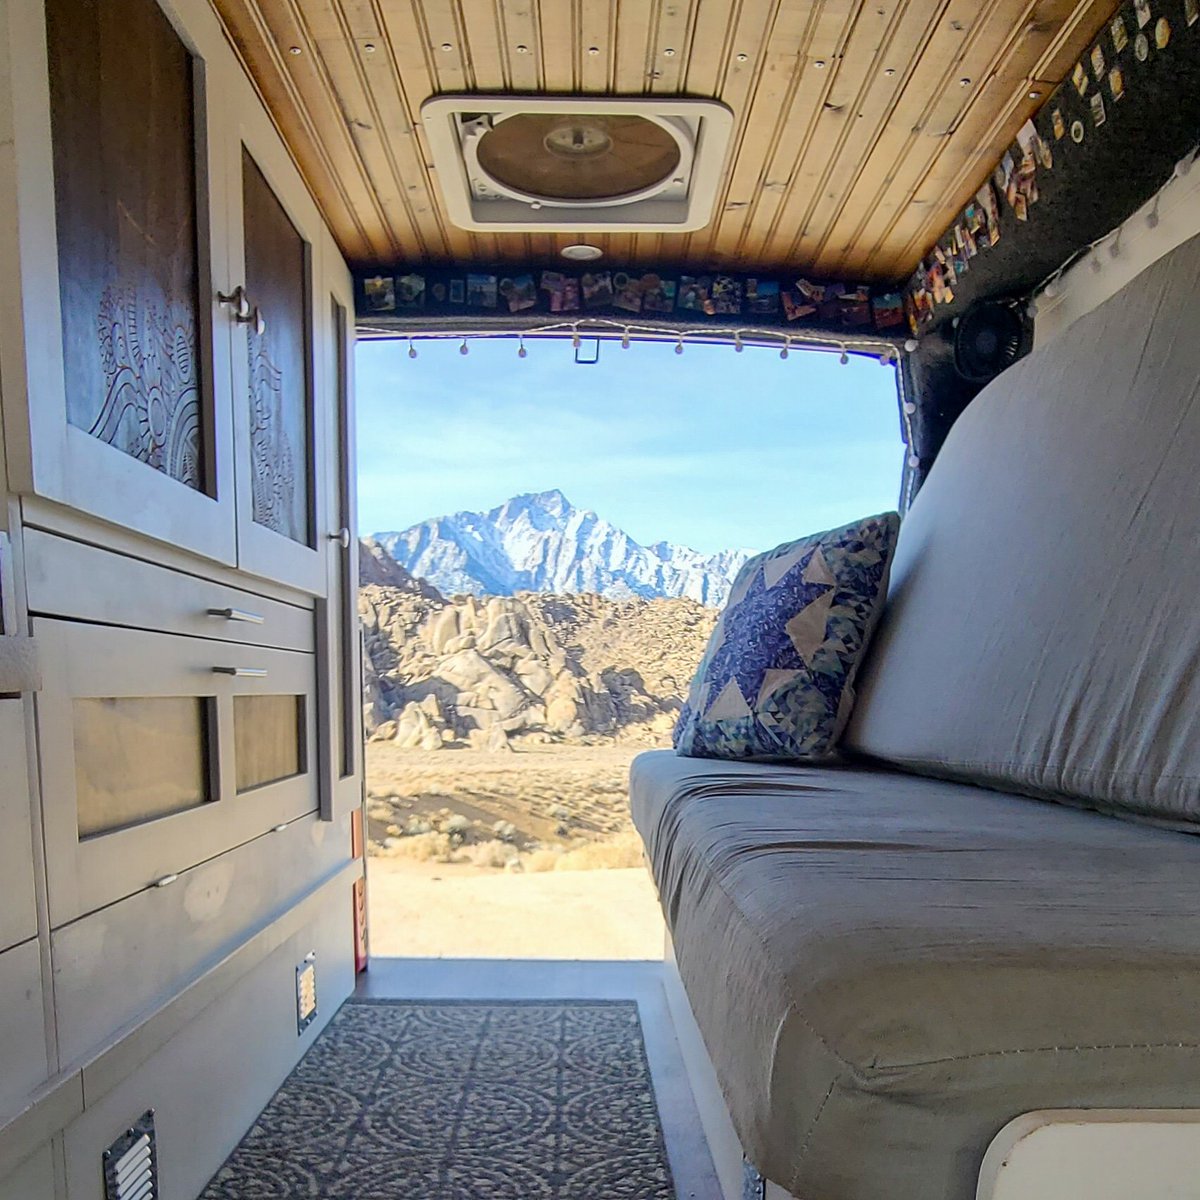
(151, 407)
(279, 387)
(123, 123)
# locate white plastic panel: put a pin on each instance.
(1095, 1154)
(18, 916)
(22, 1028)
(32, 1180)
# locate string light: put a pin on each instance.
(909, 408)
(911, 345)
(1152, 215)
(885, 359)
(1095, 263)
(624, 333)
(1114, 250)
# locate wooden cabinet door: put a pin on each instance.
(279, 440)
(339, 665)
(119, 344)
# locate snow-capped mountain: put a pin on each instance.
(541, 543)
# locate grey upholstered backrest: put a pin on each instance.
(1043, 623)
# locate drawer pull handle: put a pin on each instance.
(165, 881)
(244, 672)
(237, 614)
(280, 828)
(342, 537)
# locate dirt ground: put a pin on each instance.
(430, 910)
(518, 854)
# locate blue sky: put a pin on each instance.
(711, 449)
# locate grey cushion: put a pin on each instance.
(1042, 631)
(887, 969)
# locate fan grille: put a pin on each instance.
(560, 157)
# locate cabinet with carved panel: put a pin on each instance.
(169, 365)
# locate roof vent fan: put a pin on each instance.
(569, 163)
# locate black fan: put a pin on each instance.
(990, 336)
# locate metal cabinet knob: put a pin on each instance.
(243, 312)
(342, 537)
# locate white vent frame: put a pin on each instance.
(703, 127)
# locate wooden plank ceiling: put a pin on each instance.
(861, 126)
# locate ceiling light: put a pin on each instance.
(582, 252)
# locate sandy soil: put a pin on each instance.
(435, 910)
(550, 793)
(567, 807)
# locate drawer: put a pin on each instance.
(22, 1028)
(159, 752)
(121, 963)
(18, 914)
(136, 594)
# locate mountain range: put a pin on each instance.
(540, 542)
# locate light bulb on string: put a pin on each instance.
(737, 342)
(1095, 263)
(1031, 309)
(625, 339)
(1152, 216)
(911, 345)
(463, 348)
(412, 350)
(786, 347)
(1114, 250)
(885, 359)
(575, 336)
(521, 351)
(679, 345)
(909, 408)
(844, 357)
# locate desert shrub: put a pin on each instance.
(424, 847)
(492, 853)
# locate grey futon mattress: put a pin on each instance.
(888, 968)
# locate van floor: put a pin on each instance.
(642, 982)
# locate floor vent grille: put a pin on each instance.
(131, 1163)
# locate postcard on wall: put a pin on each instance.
(811, 291)
(1191, 11)
(562, 291)
(1144, 14)
(990, 206)
(627, 292)
(658, 295)
(726, 296)
(1116, 83)
(762, 296)
(1098, 61)
(1079, 77)
(693, 293)
(1058, 124)
(796, 306)
(888, 310)
(458, 291)
(410, 291)
(481, 291)
(1162, 32)
(1120, 35)
(596, 289)
(380, 293)
(1098, 114)
(520, 292)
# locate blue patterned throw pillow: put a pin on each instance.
(776, 681)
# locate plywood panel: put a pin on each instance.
(852, 167)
